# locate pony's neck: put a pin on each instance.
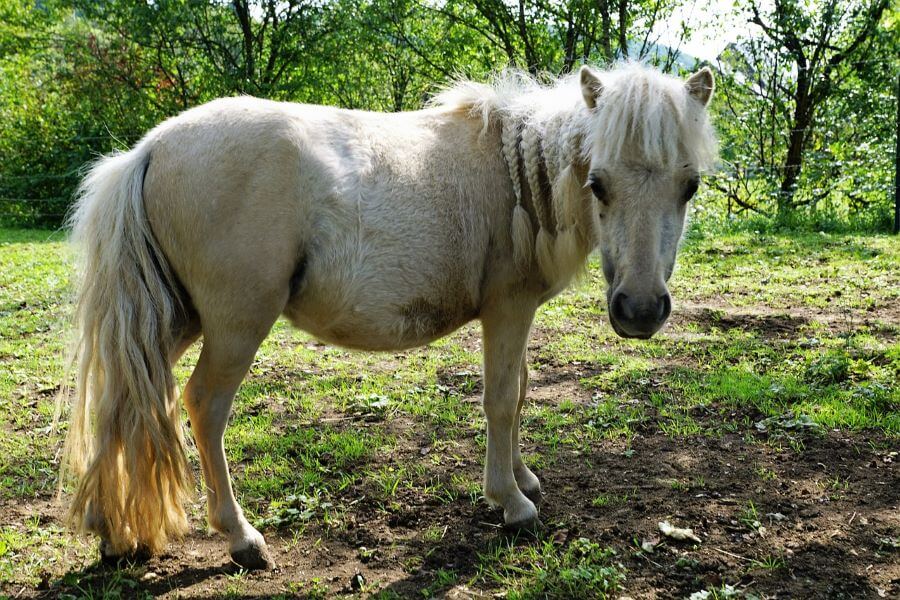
(553, 222)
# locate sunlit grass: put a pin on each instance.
(311, 421)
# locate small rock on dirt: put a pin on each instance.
(357, 581)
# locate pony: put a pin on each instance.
(369, 231)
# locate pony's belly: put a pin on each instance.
(380, 313)
(393, 327)
(409, 275)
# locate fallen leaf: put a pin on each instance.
(678, 533)
(560, 536)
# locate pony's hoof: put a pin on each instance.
(253, 558)
(531, 526)
(535, 495)
(139, 555)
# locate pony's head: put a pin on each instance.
(648, 141)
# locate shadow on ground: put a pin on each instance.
(781, 523)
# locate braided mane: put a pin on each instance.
(548, 131)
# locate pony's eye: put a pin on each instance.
(598, 190)
(691, 189)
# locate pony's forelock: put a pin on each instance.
(649, 117)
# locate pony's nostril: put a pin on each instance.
(620, 309)
(665, 307)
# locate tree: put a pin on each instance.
(821, 41)
(806, 105)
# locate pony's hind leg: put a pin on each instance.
(525, 479)
(506, 331)
(228, 350)
(187, 333)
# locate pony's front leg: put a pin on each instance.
(506, 331)
(525, 479)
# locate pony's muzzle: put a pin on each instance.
(639, 316)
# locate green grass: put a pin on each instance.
(792, 335)
(579, 569)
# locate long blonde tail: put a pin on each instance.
(125, 439)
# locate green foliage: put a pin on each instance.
(79, 78)
(807, 116)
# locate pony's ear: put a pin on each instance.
(590, 86)
(700, 85)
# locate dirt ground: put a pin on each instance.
(783, 509)
(827, 517)
(836, 542)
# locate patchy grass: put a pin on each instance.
(578, 569)
(782, 355)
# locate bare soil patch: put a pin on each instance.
(766, 325)
(827, 519)
(781, 324)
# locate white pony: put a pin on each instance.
(370, 231)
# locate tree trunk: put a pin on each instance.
(242, 12)
(569, 59)
(530, 56)
(623, 29)
(605, 30)
(793, 161)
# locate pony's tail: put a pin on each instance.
(125, 440)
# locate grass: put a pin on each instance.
(749, 516)
(776, 337)
(579, 569)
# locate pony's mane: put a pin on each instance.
(641, 114)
